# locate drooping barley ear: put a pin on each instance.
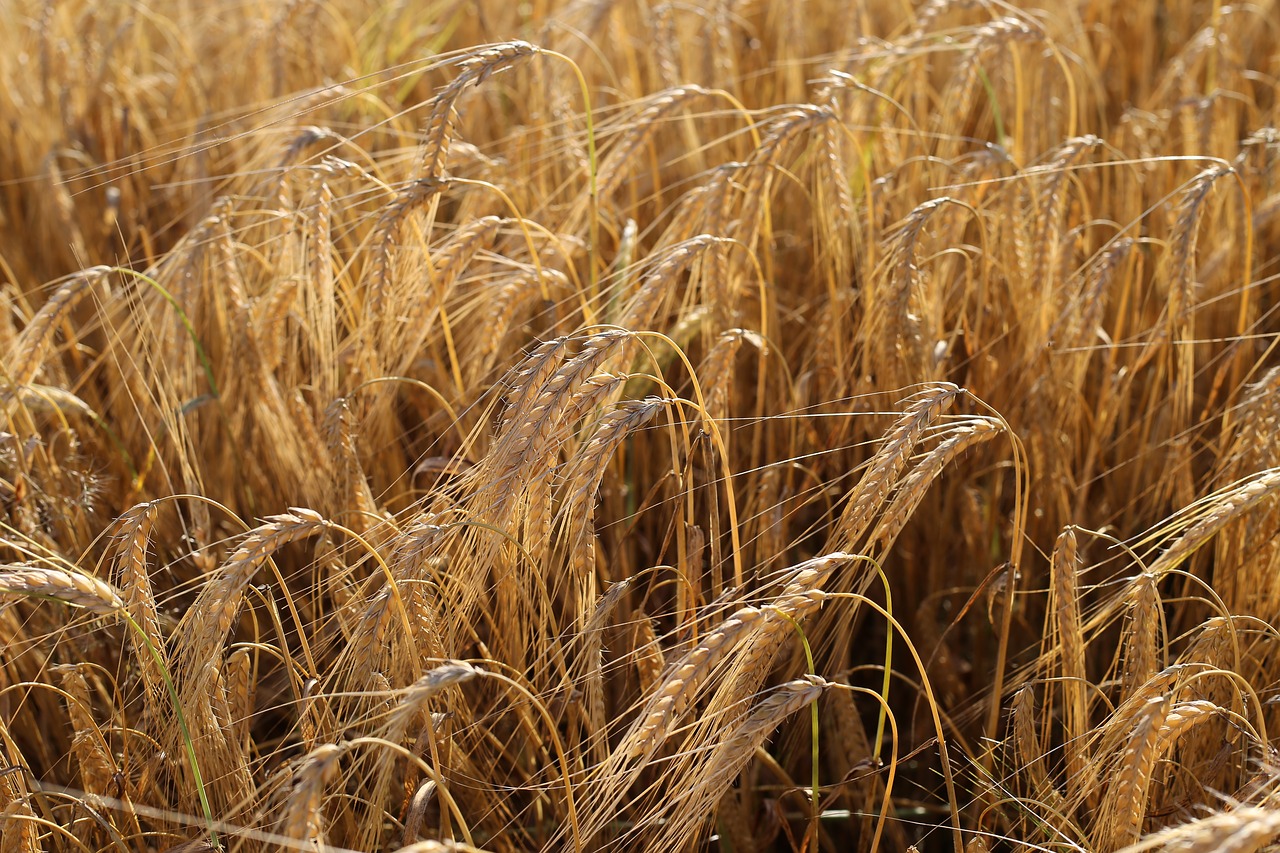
(1184, 716)
(588, 667)
(885, 467)
(412, 574)
(422, 605)
(1030, 752)
(834, 157)
(1050, 212)
(527, 433)
(619, 159)
(758, 656)
(1254, 421)
(418, 318)
(302, 819)
(133, 534)
(1220, 508)
(341, 442)
(304, 422)
(1064, 571)
(204, 628)
(661, 282)
(782, 701)
(19, 831)
(526, 380)
(87, 745)
(648, 653)
(716, 371)
(270, 322)
(69, 587)
(219, 702)
(32, 345)
(1246, 829)
(479, 65)
(1141, 635)
(700, 794)
(585, 474)
(682, 681)
(411, 711)
(1081, 318)
(665, 44)
(801, 596)
(512, 297)
(1181, 330)
(597, 391)
(761, 172)
(1120, 820)
(916, 483)
(451, 257)
(414, 699)
(241, 688)
(898, 301)
(385, 239)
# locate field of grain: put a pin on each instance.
(631, 425)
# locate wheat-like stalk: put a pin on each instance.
(205, 627)
(1064, 571)
(1240, 830)
(1225, 506)
(1120, 821)
(682, 681)
(886, 465)
(69, 587)
(29, 350)
(302, 819)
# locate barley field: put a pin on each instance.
(632, 425)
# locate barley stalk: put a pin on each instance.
(1221, 509)
(886, 465)
(1064, 571)
(30, 349)
(135, 588)
(205, 627)
(68, 587)
(1120, 822)
(682, 680)
(302, 819)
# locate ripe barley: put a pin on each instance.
(682, 681)
(1064, 568)
(1219, 510)
(133, 536)
(885, 467)
(69, 587)
(1120, 820)
(302, 819)
(205, 627)
(31, 347)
